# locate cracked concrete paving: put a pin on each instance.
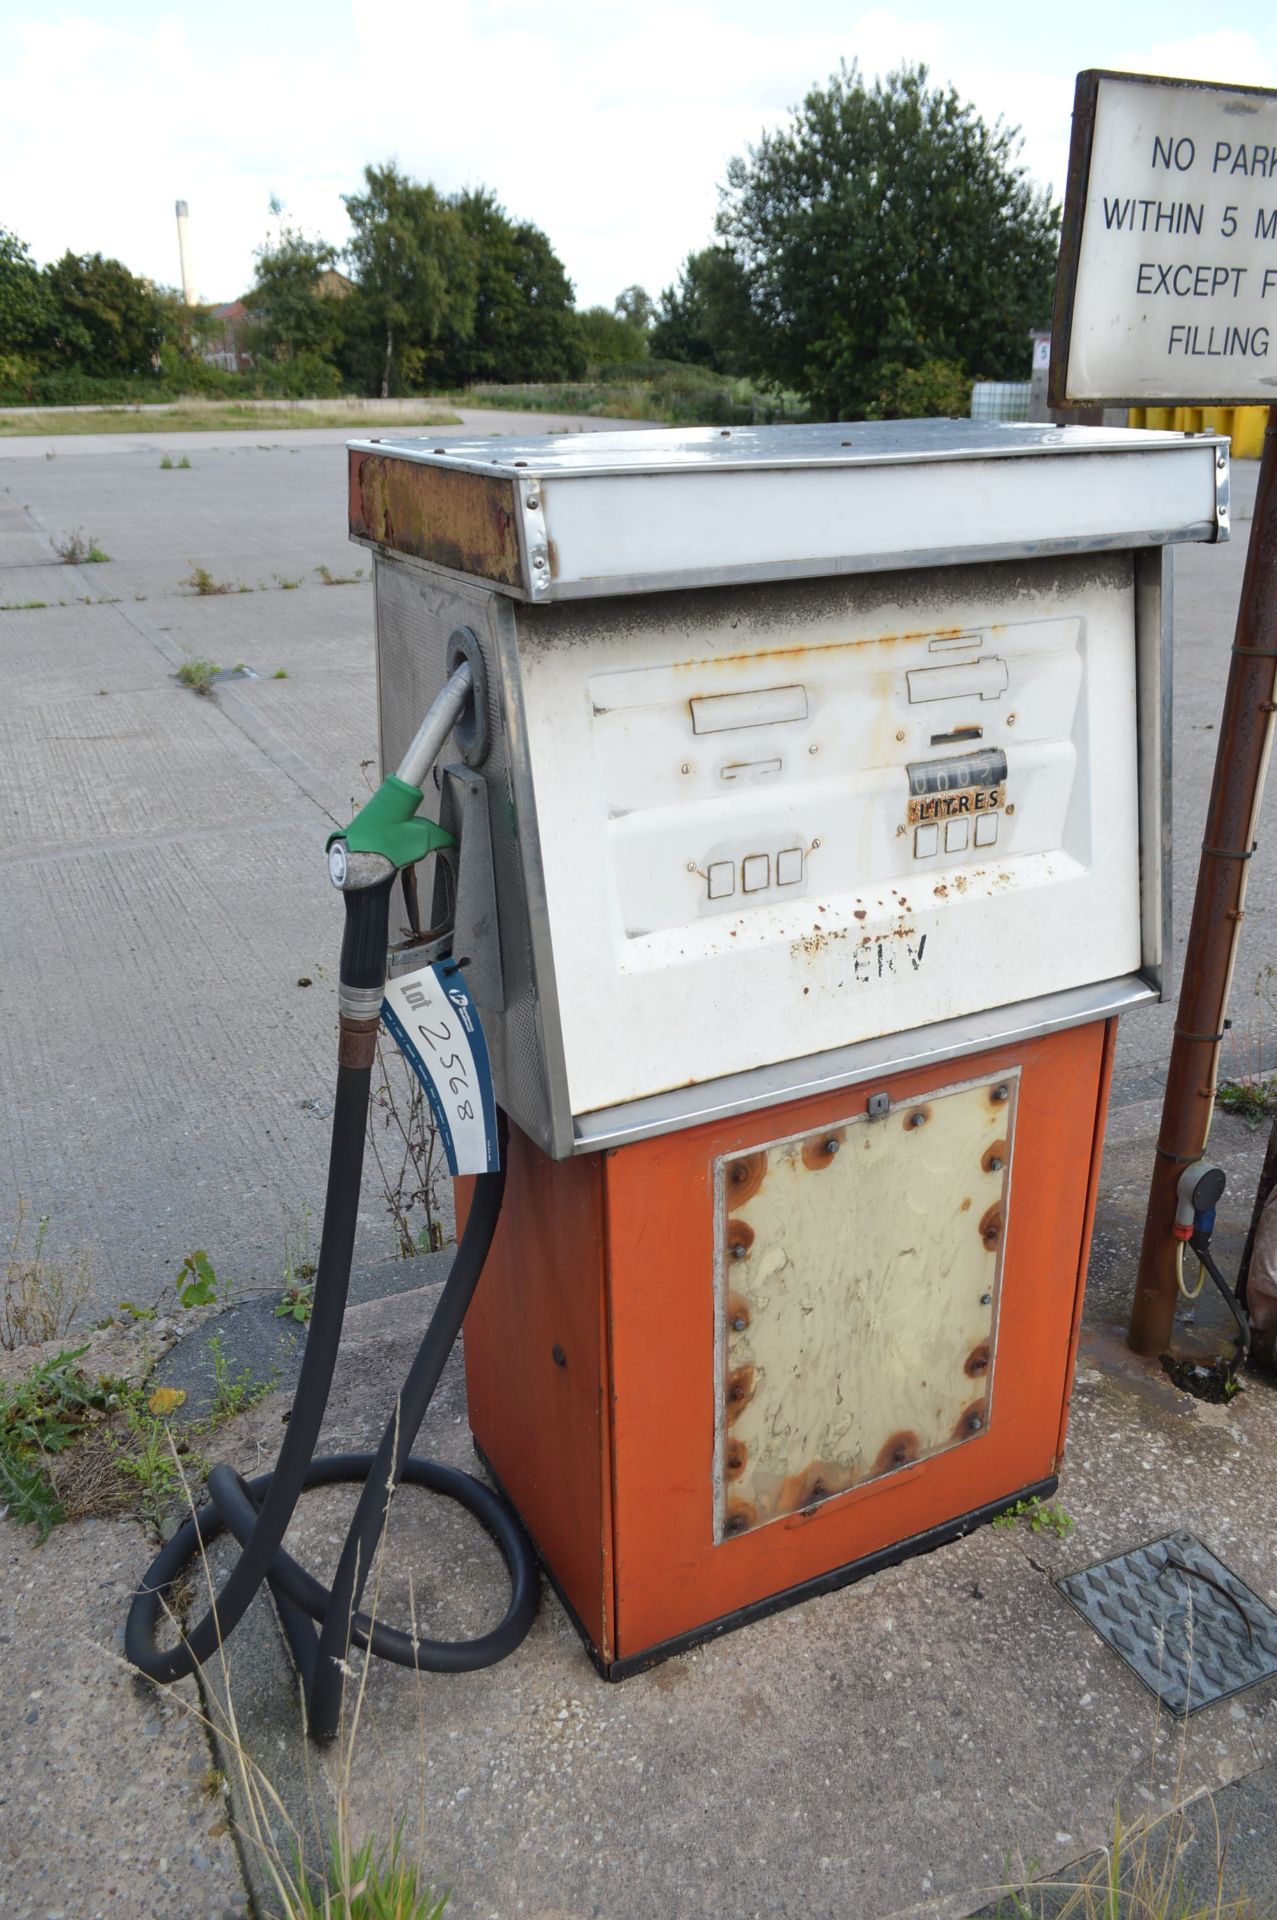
(901, 1747)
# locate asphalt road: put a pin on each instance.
(164, 890)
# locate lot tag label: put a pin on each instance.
(435, 1024)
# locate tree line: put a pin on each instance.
(871, 258)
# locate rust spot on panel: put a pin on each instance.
(741, 1515)
(998, 1151)
(991, 1225)
(462, 521)
(966, 1205)
(740, 1391)
(734, 1458)
(817, 1481)
(941, 892)
(816, 1150)
(739, 1313)
(915, 1118)
(745, 1176)
(553, 554)
(859, 914)
(814, 942)
(977, 1361)
(973, 1421)
(739, 1234)
(897, 1450)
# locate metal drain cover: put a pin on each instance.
(1190, 1629)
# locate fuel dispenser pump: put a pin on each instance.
(802, 835)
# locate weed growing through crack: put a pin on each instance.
(298, 1298)
(233, 1393)
(201, 581)
(196, 1282)
(280, 673)
(283, 583)
(331, 579)
(21, 606)
(198, 675)
(1040, 1516)
(409, 1155)
(75, 551)
(306, 1862)
(42, 1415)
(39, 1298)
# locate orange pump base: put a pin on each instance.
(593, 1372)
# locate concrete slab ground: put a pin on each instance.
(904, 1747)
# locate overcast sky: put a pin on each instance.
(609, 127)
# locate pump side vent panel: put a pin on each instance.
(858, 1279)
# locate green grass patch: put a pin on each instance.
(216, 417)
(1254, 1100)
(199, 676)
(21, 606)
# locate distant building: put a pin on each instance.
(223, 339)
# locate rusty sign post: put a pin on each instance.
(1245, 737)
(1167, 295)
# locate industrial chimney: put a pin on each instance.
(183, 222)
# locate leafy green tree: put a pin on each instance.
(888, 226)
(707, 319)
(416, 270)
(102, 319)
(608, 340)
(523, 317)
(636, 305)
(292, 314)
(24, 304)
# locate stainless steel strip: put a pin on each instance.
(761, 1087)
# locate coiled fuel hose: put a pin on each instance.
(321, 1622)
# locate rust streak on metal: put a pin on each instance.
(739, 1234)
(977, 1361)
(740, 1391)
(816, 1153)
(745, 1176)
(998, 1151)
(897, 1450)
(462, 521)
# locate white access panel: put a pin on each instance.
(778, 822)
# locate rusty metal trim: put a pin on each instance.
(465, 522)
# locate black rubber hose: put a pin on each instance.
(257, 1512)
(1202, 1249)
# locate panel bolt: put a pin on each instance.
(975, 1423)
(918, 1119)
(831, 1146)
(995, 1165)
(1002, 1093)
(986, 1299)
(739, 1323)
(538, 559)
(534, 501)
(990, 1236)
(738, 1250)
